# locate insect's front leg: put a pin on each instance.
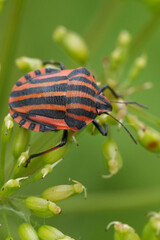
(60, 64)
(61, 144)
(103, 131)
(101, 89)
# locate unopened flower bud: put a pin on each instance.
(123, 231)
(9, 238)
(124, 38)
(43, 172)
(147, 136)
(20, 142)
(72, 43)
(7, 129)
(28, 64)
(139, 64)
(42, 207)
(61, 192)
(11, 186)
(46, 232)
(112, 156)
(27, 232)
(55, 155)
(151, 230)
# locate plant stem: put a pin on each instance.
(2, 164)
(102, 23)
(6, 222)
(144, 34)
(8, 49)
(120, 200)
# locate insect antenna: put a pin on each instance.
(129, 102)
(122, 126)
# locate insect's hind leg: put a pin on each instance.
(101, 89)
(60, 64)
(103, 131)
(61, 144)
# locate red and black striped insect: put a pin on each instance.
(49, 99)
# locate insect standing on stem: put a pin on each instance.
(50, 99)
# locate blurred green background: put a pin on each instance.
(26, 29)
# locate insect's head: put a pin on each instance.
(103, 105)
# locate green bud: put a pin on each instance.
(40, 174)
(11, 186)
(148, 137)
(151, 230)
(55, 155)
(112, 157)
(124, 38)
(27, 232)
(42, 207)
(7, 128)
(20, 142)
(116, 57)
(61, 192)
(46, 232)
(72, 43)
(28, 64)
(123, 231)
(9, 238)
(139, 64)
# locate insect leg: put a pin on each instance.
(103, 131)
(61, 65)
(101, 89)
(61, 144)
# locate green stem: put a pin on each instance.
(2, 164)
(120, 200)
(102, 23)
(6, 222)
(8, 49)
(145, 115)
(144, 34)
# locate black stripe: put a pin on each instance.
(81, 88)
(79, 71)
(46, 128)
(22, 122)
(55, 88)
(52, 70)
(49, 79)
(81, 100)
(82, 112)
(71, 122)
(18, 83)
(58, 100)
(37, 72)
(15, 115)
(27, 76)
(32, 126)
(48, 113)
(82, 79)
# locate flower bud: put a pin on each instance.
(55, 155)
(20, 142)
(28, 64)
(42, 207)
(40, 174)
(61, 192)
(148, 137)
(72, 43)
(139, 64)
(7, 128)
(46, 232)
(11, 186)
(112, 157)
(27, 232)
(9, 238)
(123, 231)
(124, 38)
(151, 230)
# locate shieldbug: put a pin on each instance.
(50, 99)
